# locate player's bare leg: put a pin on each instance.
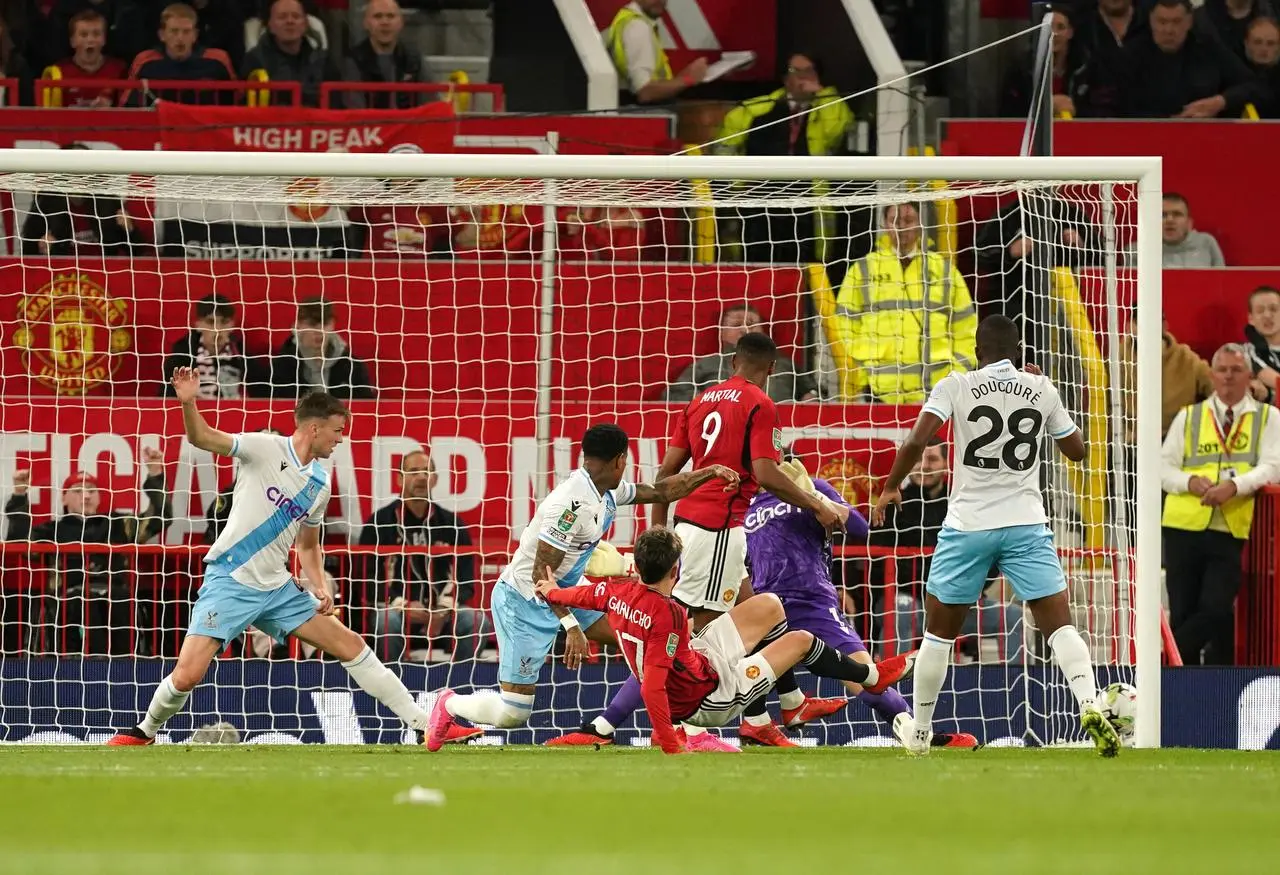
(1053, 617)
(173, 691)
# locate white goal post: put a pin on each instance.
(688, 184)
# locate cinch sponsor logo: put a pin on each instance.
(294, 510)
(758, 518)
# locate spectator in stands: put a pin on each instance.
(1216, 456)
(644, 72)
(1103, 28)
(1262, 334)
(215, 350)
(127, 27)
(494, 230)
(403, 229)
(905, 335)
(316, 357)
(382, 57)
(180, 56)
(90, 225)
(1071, 84)
(785, 384)
(88, 36)
(94, 585)
(1176, 72)
(13, 65)
(1230, 20)
(915, 525)
(604, 233)
(286, 53)
(1186, 378)
(1183, 245)
(803, 117)
(221, 24)
(1262, 52)
(412, 590)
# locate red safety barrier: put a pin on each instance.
(140, 600)
(446, 91)
(243, 92)
(1258, 605)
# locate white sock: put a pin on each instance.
(873, 675)
(757, 719)
(691, 731)
(931, 670)
(791, 700)
(1072, 656)
(380, 682)
(503, 710)
(167, 701)
(602, 726)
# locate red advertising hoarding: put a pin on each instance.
(485, 451)
(467, 329)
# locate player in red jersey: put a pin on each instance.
(707, 681)
(734, 424)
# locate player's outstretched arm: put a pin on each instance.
(774, 479)
(905, 462)
(676, 458)
(677, 486)
(653, 690)
(186, 385)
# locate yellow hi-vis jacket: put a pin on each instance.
(618, 52)
(1204, 455)
(906, 329)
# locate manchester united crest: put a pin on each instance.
(72, 334)
(308, 190)
(848, 477)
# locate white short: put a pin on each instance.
(743, 679)
(712, 566)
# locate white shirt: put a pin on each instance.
(642, 57)
(573, 518)
(1000, 415)
(1174, 480)
(274, 496)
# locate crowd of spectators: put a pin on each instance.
(201, 41)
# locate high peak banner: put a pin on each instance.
(427, 128)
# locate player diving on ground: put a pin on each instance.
(789, 555)
(709, 680)
(281, 493)
(995, 515)
(559, 541)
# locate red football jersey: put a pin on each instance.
(653, 632)
(85, 95)
(731, 424)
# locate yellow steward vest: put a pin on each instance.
(618, 53)
(1204, 455)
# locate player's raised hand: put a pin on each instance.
(727, 475)
(186, 384)
(21, 481)
(1032, 369)
(154, 460)
(826, 515)
(576, 648)
(890, 495)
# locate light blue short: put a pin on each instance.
(526, 632)
(1024, 554)
(225, 608)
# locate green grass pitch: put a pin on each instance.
(311, 810)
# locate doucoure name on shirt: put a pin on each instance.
(722, 395)
(1010, 387)
(631, 615)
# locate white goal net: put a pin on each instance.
(480, 312)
